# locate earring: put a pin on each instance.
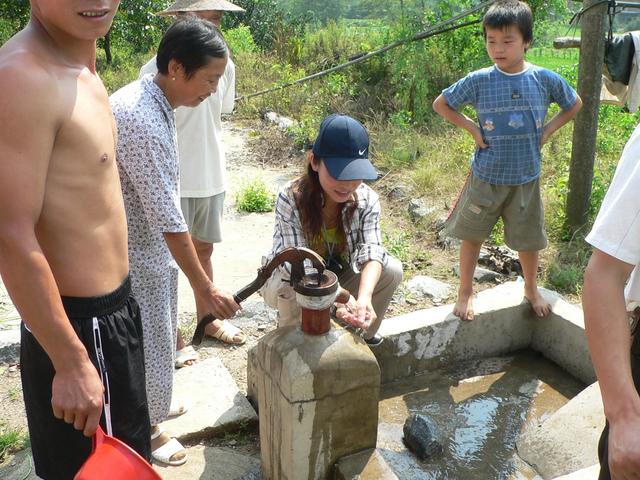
(173, 78)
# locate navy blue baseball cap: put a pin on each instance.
(343, 146)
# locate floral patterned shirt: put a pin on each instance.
(147, 157)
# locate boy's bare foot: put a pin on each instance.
(463, 309)
(540, 306)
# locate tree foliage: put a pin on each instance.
(261, 16)
(14, 15)
(137, 25)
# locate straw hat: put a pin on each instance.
(182, 6)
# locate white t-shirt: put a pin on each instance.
(203, 171)
(616, 230)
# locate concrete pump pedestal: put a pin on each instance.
(318, 401)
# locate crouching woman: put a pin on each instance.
(331, 211)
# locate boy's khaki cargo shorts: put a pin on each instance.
(481, 204)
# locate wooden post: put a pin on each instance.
(586, 123)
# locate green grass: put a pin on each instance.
(15, 394)
(553, 59)
(124, 69)
(11, 440)
(398, 244)
(255, 197)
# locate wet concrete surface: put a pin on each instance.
(480, 408)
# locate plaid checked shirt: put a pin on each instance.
(364, 240)
(511, 110)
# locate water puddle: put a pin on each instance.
(480, 407)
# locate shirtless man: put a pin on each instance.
(63, 239)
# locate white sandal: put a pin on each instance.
(164, 453)
(178, 407)
(186, 354)
(228, 332)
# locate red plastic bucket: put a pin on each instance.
(114, 460)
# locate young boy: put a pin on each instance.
(63, 240)
(511, 100)
(614, 264)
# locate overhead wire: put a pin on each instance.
(437, 29)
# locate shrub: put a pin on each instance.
(398, 244)
(565, 273)
(255, 197)
(124, 69)
(137, 27)
(239, 39)
(565, 278)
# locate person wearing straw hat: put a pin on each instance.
(213, 10)
(202, 165)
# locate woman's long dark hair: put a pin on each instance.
(310, 199)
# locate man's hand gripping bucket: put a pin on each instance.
(111, 458)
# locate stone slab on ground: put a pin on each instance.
(211, 463)
(9, 328)
(10, 345)
(366, 465)
(422, 286)
(567, 441)
(480, 274)
(215, 402)
(18, 467)
(589, 473)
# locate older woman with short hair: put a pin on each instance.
(191, 59)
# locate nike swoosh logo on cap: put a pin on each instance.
(361, 152)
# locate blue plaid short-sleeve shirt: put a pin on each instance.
(511, 110)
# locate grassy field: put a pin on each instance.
(553, 59)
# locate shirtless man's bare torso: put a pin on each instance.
(62, 221)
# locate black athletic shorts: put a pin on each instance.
(603, 445)
(58, 449)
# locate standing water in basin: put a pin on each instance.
(480, 408)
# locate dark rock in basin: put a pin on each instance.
(422, 437)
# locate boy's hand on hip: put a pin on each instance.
(544, 137)
(477, 136)
(76, 397)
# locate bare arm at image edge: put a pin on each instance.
(608, 334)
